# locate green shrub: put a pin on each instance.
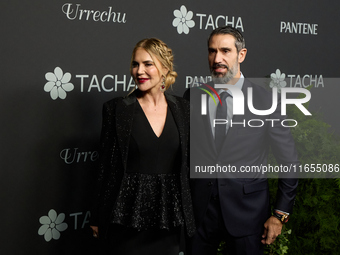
(315, 222)
(314, 226)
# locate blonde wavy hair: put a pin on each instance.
(157, 48)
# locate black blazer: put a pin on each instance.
(116, 130)
(244, 201)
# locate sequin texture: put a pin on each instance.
(148, 201)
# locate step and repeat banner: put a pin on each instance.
(61, 60)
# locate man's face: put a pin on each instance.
(224, 61)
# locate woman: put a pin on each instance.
(144, 202)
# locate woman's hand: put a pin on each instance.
(95, 231)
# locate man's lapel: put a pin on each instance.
(206, 125)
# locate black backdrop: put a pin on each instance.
(49, 145)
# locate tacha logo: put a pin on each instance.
(278, 80)
(183, 20)
(58, 83)
(52, 225)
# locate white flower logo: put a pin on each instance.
(278, 80)
(58, 83)
(183, 20)
(51, 225)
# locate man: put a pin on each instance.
(235, 208)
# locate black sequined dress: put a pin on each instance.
(149, 196)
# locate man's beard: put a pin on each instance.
(228, 76)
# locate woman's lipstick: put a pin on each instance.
(142, 80)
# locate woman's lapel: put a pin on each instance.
(124, 114)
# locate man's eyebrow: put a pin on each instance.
(225, 48)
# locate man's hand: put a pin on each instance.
(272, 228)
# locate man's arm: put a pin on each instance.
(283, 148)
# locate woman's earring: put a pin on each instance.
(163, 85)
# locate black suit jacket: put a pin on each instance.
(244, 198)
(116, 130)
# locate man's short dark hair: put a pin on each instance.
(229, 30)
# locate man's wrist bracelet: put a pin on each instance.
(283, 217)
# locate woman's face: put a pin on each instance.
(145, 72)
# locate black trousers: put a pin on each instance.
(212, 231)
(128, 241)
